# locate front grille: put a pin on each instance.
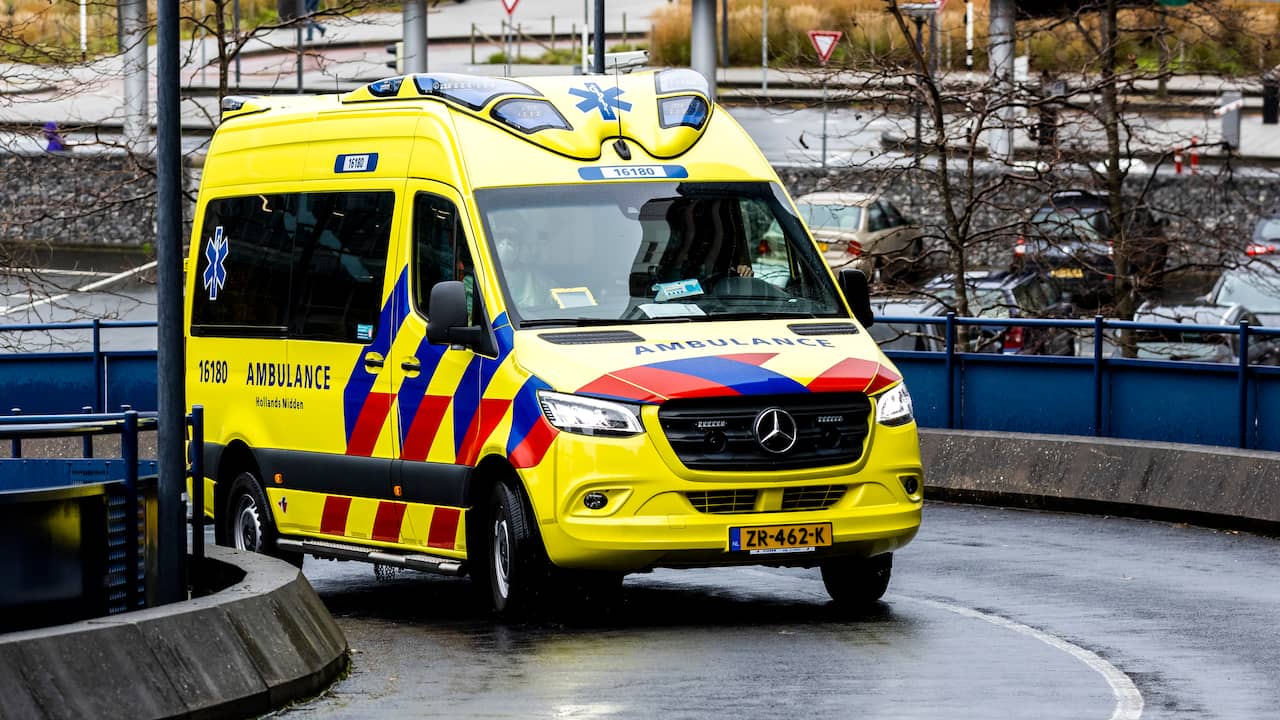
(719, 433)
(723, 501)
(817, 497)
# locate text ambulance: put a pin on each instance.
(544, 331)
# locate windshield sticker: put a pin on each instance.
(678, 289)
(574, 297)
(632, 172)
(654, 310)
(606, 101)
(215, 275)
(362, 163)
(364, 332)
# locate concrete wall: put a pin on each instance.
(70, 199)
(110, 199)
(1217, 487)
(263, 642)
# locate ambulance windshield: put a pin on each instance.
(622, 252)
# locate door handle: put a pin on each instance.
(411, 365)
(373, 360)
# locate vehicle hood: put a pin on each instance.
(1191, 314)
(655, 363)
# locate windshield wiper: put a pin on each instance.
(586, 322)
(761, 315)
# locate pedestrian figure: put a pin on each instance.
(54, 138)
(313, 6)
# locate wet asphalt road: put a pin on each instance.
(991, 614)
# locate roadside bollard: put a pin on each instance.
(1195, 155)
(1177, 160)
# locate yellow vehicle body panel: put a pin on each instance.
(374, 438)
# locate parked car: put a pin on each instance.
(1266, 232)
(1174, 344)
(906, 335)
(998, 294)
(1069, 238)
(1255, 285)
(863, 231)
(1250, 292)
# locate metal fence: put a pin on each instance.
(1095, 392)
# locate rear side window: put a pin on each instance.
(301, 265)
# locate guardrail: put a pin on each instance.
(1101, 394)
(1095, 393)
(62, 381)
(78, 535)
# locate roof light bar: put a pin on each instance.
(681, 80)
(529, 116)
(469, 91)
(683, 110)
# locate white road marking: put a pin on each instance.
(1129, 703)
(83, 288)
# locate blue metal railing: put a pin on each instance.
(1101, 394)
(1096, 392)
(53, 382)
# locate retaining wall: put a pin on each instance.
(261, 643)
(1216, 487)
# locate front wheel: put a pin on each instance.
(857, 582)
(514, 558)
(249, 526)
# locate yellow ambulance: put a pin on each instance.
(545, 332)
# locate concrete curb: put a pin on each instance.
(1211, 486)
(261, 643)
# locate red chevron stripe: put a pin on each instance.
(674, 384)
(482, 425)
(444, 528)
(756, 359)
(531, 450)
(333, 521)
(424, 427)
(850, 374)
(386, 524)
(373, 417)
(883, 379)
(613, 387)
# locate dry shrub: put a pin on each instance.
(1212, 36)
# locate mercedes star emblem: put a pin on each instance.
(775, 430)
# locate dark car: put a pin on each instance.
(1069, 239)
(1004, 295)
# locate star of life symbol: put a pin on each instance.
(215, 275)
(594, 98)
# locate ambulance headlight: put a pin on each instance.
(894, 406)
(589, 416)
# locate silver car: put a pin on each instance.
(863, 231)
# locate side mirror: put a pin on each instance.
(853, 283)
(447, 316)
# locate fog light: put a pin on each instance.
(595, 500)
(910, 483)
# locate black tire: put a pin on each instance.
(249, 525)
(857, 582)
(515, 562)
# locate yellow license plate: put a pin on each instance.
(1076, 273)
(766, 539)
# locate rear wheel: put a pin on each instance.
(249, 526)
(857, 582)
(516, 565)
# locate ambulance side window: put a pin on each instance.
(340, 260)
(244, 267)
(440, 249)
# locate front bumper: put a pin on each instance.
(649, 519)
